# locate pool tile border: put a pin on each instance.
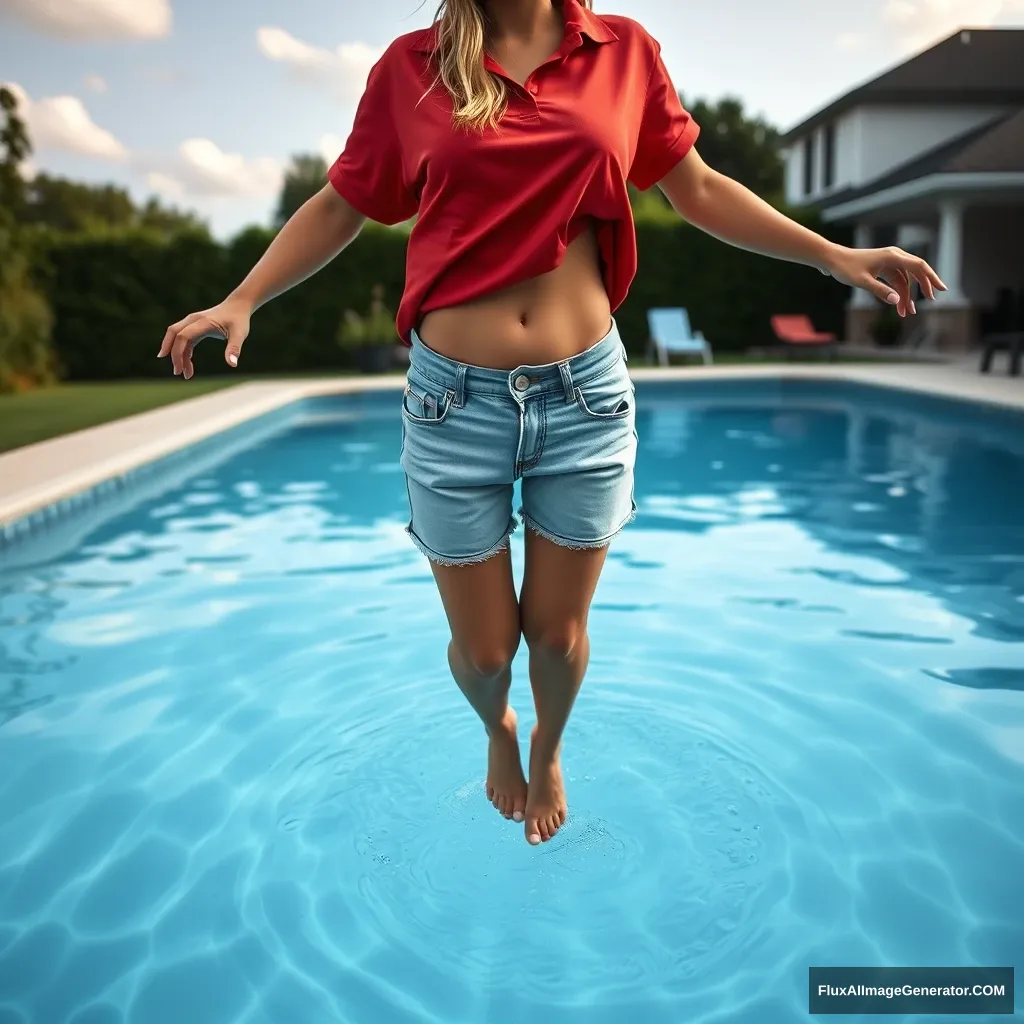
(43, 483)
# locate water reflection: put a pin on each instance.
(931, 488)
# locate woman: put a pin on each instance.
(511, 128)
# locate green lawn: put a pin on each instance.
(49, 412)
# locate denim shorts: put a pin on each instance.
(567, 430)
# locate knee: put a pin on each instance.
(558, 639)
(488, 657)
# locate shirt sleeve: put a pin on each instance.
(370, 173)
(667, 132)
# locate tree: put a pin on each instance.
(26, 355)
(741, 147)
(306, 176)
(169, 219)
(73, 206)
(26, 323)
(16, 147)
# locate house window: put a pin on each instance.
(808, 165)
(830, 156)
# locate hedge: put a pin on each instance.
(114, 295)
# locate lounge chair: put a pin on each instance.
(671, 335)
(796, 331)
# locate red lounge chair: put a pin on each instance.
(796, 330)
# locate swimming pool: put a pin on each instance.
(238, 786)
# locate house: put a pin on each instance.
(930, 157)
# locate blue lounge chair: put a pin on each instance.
(671, 334)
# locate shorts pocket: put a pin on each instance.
(611, 400)
(420, 405)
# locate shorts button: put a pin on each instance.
(521, 383)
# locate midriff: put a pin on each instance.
(542, 320)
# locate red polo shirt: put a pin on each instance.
(501, 207)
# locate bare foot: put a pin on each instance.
(506, 784)
(546, 808)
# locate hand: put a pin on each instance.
(229, 321)
(886, 273)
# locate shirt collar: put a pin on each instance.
(577, 19)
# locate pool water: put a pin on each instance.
(237, 784)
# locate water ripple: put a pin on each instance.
(237, 785)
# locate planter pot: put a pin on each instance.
(374, 358)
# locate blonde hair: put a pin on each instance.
(479, 96)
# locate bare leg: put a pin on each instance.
(480, 602)
(558, 587)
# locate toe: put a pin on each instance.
(532, 830)
(518, 807)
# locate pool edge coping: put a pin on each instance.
(55, 470)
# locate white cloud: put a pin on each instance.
(342, 71)
(165, 184)
(62, 122)
(94, 19)
(849, 42)
(202, 169)
(96, 83)
(921, 23)
(330, 147)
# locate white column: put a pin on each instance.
(861, 299)
(915, 238)
(949, 254)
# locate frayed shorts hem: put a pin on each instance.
(438, 559)
(570, 543)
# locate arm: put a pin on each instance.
(729, 211)
(314, 235)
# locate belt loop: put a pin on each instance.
(570, 392)
(460, 386)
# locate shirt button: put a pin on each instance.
(521, 383)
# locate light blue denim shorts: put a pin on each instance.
(567, 430)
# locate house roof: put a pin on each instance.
(997, 146)
(971, 66)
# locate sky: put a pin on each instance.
(203, 102)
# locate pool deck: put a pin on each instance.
(38, 475)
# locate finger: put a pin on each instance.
(178, 353)
(203, 327)
(895, 275)
(918, 269)
(175, 354)
(233, 349)
(188, 370)
(933, 278)
(169, 334)
(184, 345)
(900, 280)
(885, 292)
